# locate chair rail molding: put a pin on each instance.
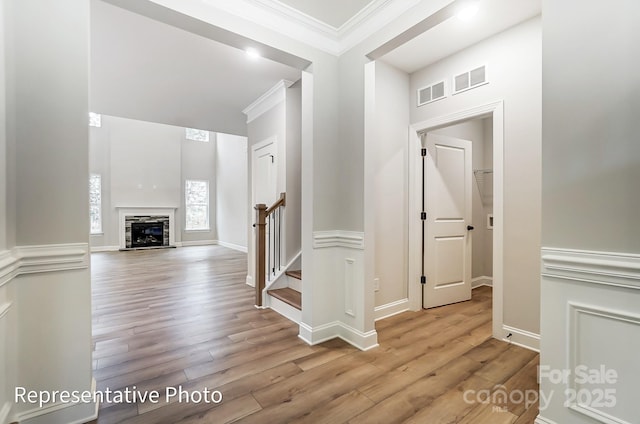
(338, 238)
(44, 258)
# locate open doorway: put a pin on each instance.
(457, 188)
(487, 122)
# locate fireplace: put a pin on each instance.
(158, 229)
(147, 234)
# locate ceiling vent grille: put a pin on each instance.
(431, 93)
(471, 79)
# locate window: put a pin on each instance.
(95, 203)
(95, 120)
(197, 135)
(197, 205)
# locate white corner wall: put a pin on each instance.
(386, 185)
(45, 290)
(231, 181)
(514, 73)
(590, 203)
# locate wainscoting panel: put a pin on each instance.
(590, 337)
(340, 306)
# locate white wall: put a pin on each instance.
(47, 124)
(231, 181)
(590, 202)
(514, 73)
(482, 140)
(386, 185)
(3, 138)
(145, 164)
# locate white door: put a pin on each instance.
(265, 173)
(448, 179)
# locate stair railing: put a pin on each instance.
(268, 243)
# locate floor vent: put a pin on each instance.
(471, 79)
(431, 93)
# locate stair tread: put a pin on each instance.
(288, 296)
(295, 274)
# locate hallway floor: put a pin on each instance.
(185, 317)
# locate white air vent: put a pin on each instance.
(431, 93)
(471, 79)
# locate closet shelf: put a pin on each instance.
(484, 180)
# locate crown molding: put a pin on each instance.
(288, 21)
(273, 97)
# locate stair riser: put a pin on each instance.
(294, 283)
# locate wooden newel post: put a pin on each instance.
(261, 223)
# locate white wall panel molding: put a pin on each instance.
(584, 320)
(613, 269)
(349, 239)
(349, 287)
(46, 258)
(269, 100)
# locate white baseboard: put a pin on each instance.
(95, 249)
(285, 309)
(390, 309)
(197, 243)
(481, 281)
(249, 281)
(4, 412)
(522, 338)
(70, 413)
(237, 247)
(326, 332)
(542, 420)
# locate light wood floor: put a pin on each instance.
(185, 317)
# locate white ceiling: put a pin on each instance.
(453, 35)
(147, 70)
(332, 12)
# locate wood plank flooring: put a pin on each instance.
(185, 318)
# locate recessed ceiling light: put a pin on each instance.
(468, 11)
(252, 53)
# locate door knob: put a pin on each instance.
(469, 227)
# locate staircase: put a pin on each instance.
(287, 301)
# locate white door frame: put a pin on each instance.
(496, 110)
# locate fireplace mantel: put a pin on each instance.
(128, 211)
